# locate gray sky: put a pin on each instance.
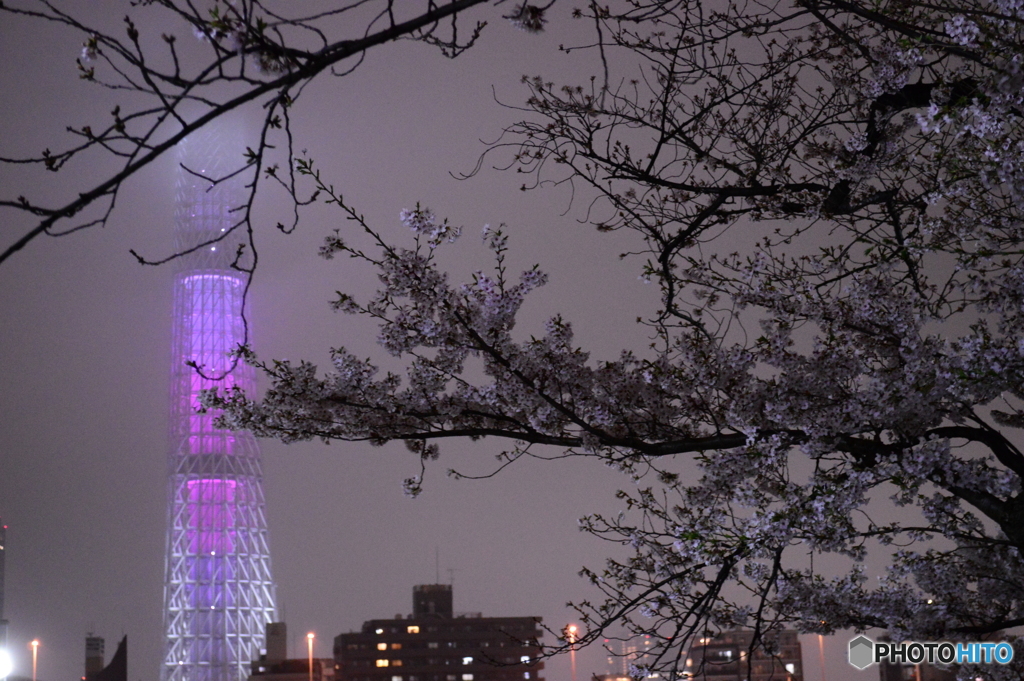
(84, 355)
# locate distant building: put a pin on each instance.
(93, 656)
(117, 670)
(621, 654)
(913, 672)
(434, 644)
(293, 670)
(725, 658)
(274, 665)
(277, 642)
(611, 677)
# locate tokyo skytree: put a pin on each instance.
(218, 593)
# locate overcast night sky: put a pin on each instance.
(85, 347)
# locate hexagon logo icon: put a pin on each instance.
(862, 652)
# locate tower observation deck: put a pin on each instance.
(218, 591)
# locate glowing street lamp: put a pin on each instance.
(821, 655)
(6, 666)
(570, 634)
(309, 641)
(35, 656)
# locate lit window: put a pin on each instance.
(382, 646)
(379, 630)
(467, 660)
(396, 663)
(451, 644)
(412, 629)
(432, 644)
(791, 668)
(526, 675)
(396, 678)
(396, 646)
(382, 663)
(525, 659)
(467, 677)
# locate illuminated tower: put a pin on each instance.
(218, 594)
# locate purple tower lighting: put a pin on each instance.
(218, 594)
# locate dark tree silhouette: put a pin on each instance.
(251, 52)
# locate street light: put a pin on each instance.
(821, 655)
(309, 641)
(570, 634)
(35, 656)
(6, 666)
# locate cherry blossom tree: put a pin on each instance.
(843, 381)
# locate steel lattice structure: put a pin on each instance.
(218, 593)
